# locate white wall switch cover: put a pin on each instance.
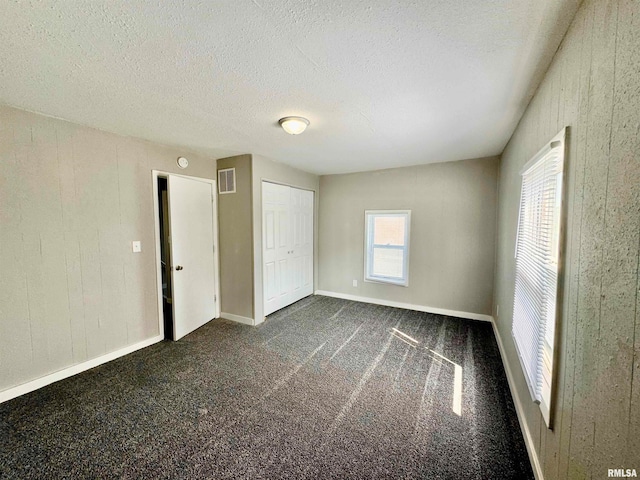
(136, 246)
(355, 283)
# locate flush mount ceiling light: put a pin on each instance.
(294, 125)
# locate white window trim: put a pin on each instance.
(369, 253)
(543, 391)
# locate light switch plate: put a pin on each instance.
(136, 246)
(355, 283)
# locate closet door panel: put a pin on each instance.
(306, 246)
(276, 238)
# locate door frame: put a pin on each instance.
(155, 174)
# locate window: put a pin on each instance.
(537, 269)
(387, 246)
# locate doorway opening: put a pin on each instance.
(165, 257)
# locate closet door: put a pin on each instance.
(302, 243)
(276, 241)
(296, 244)
(287, 248)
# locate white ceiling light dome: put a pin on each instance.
(294, 125)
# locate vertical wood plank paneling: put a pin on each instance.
(578, 436)
(554, 97)
(111, 243)
(92, 291)
(633, 432)
(13, 309)
(75, 294)
(596, 234)
(22, 134)
(15, 330)
(132, 172)
(591, 241)
(10, 214)
(113, 319)
(71, 225)
(66, 177)
(73, 199)
(620, 260)
(593, 87)
(36, 287)
(565, 76)
(623, 252)
(55, 299)
(145, 266)
(574, 50)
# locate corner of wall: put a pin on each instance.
(236, 234)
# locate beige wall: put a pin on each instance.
(236, 247)
(266, 169)
(72, 200)
(593, 86)
(453, 219)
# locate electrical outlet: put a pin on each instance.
(355, 283)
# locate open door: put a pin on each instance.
(193, 262)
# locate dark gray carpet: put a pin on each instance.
(326, 388)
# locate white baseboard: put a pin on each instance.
(18, 390)
(528, 439)
(237, 318)
(408, 306)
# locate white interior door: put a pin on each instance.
(295, 252)
(276, 233)
(305, 247)
(302, 244)
(192, 234)
(287, 245)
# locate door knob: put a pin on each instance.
(179, 267)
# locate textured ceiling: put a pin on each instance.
(384, 83)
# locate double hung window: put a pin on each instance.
(387, 246)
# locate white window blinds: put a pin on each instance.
(537, 267)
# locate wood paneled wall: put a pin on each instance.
(71, 201)
(592, 86)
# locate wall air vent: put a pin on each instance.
(227, 180)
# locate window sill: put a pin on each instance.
(386, 282)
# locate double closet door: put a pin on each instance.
(287, 245)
